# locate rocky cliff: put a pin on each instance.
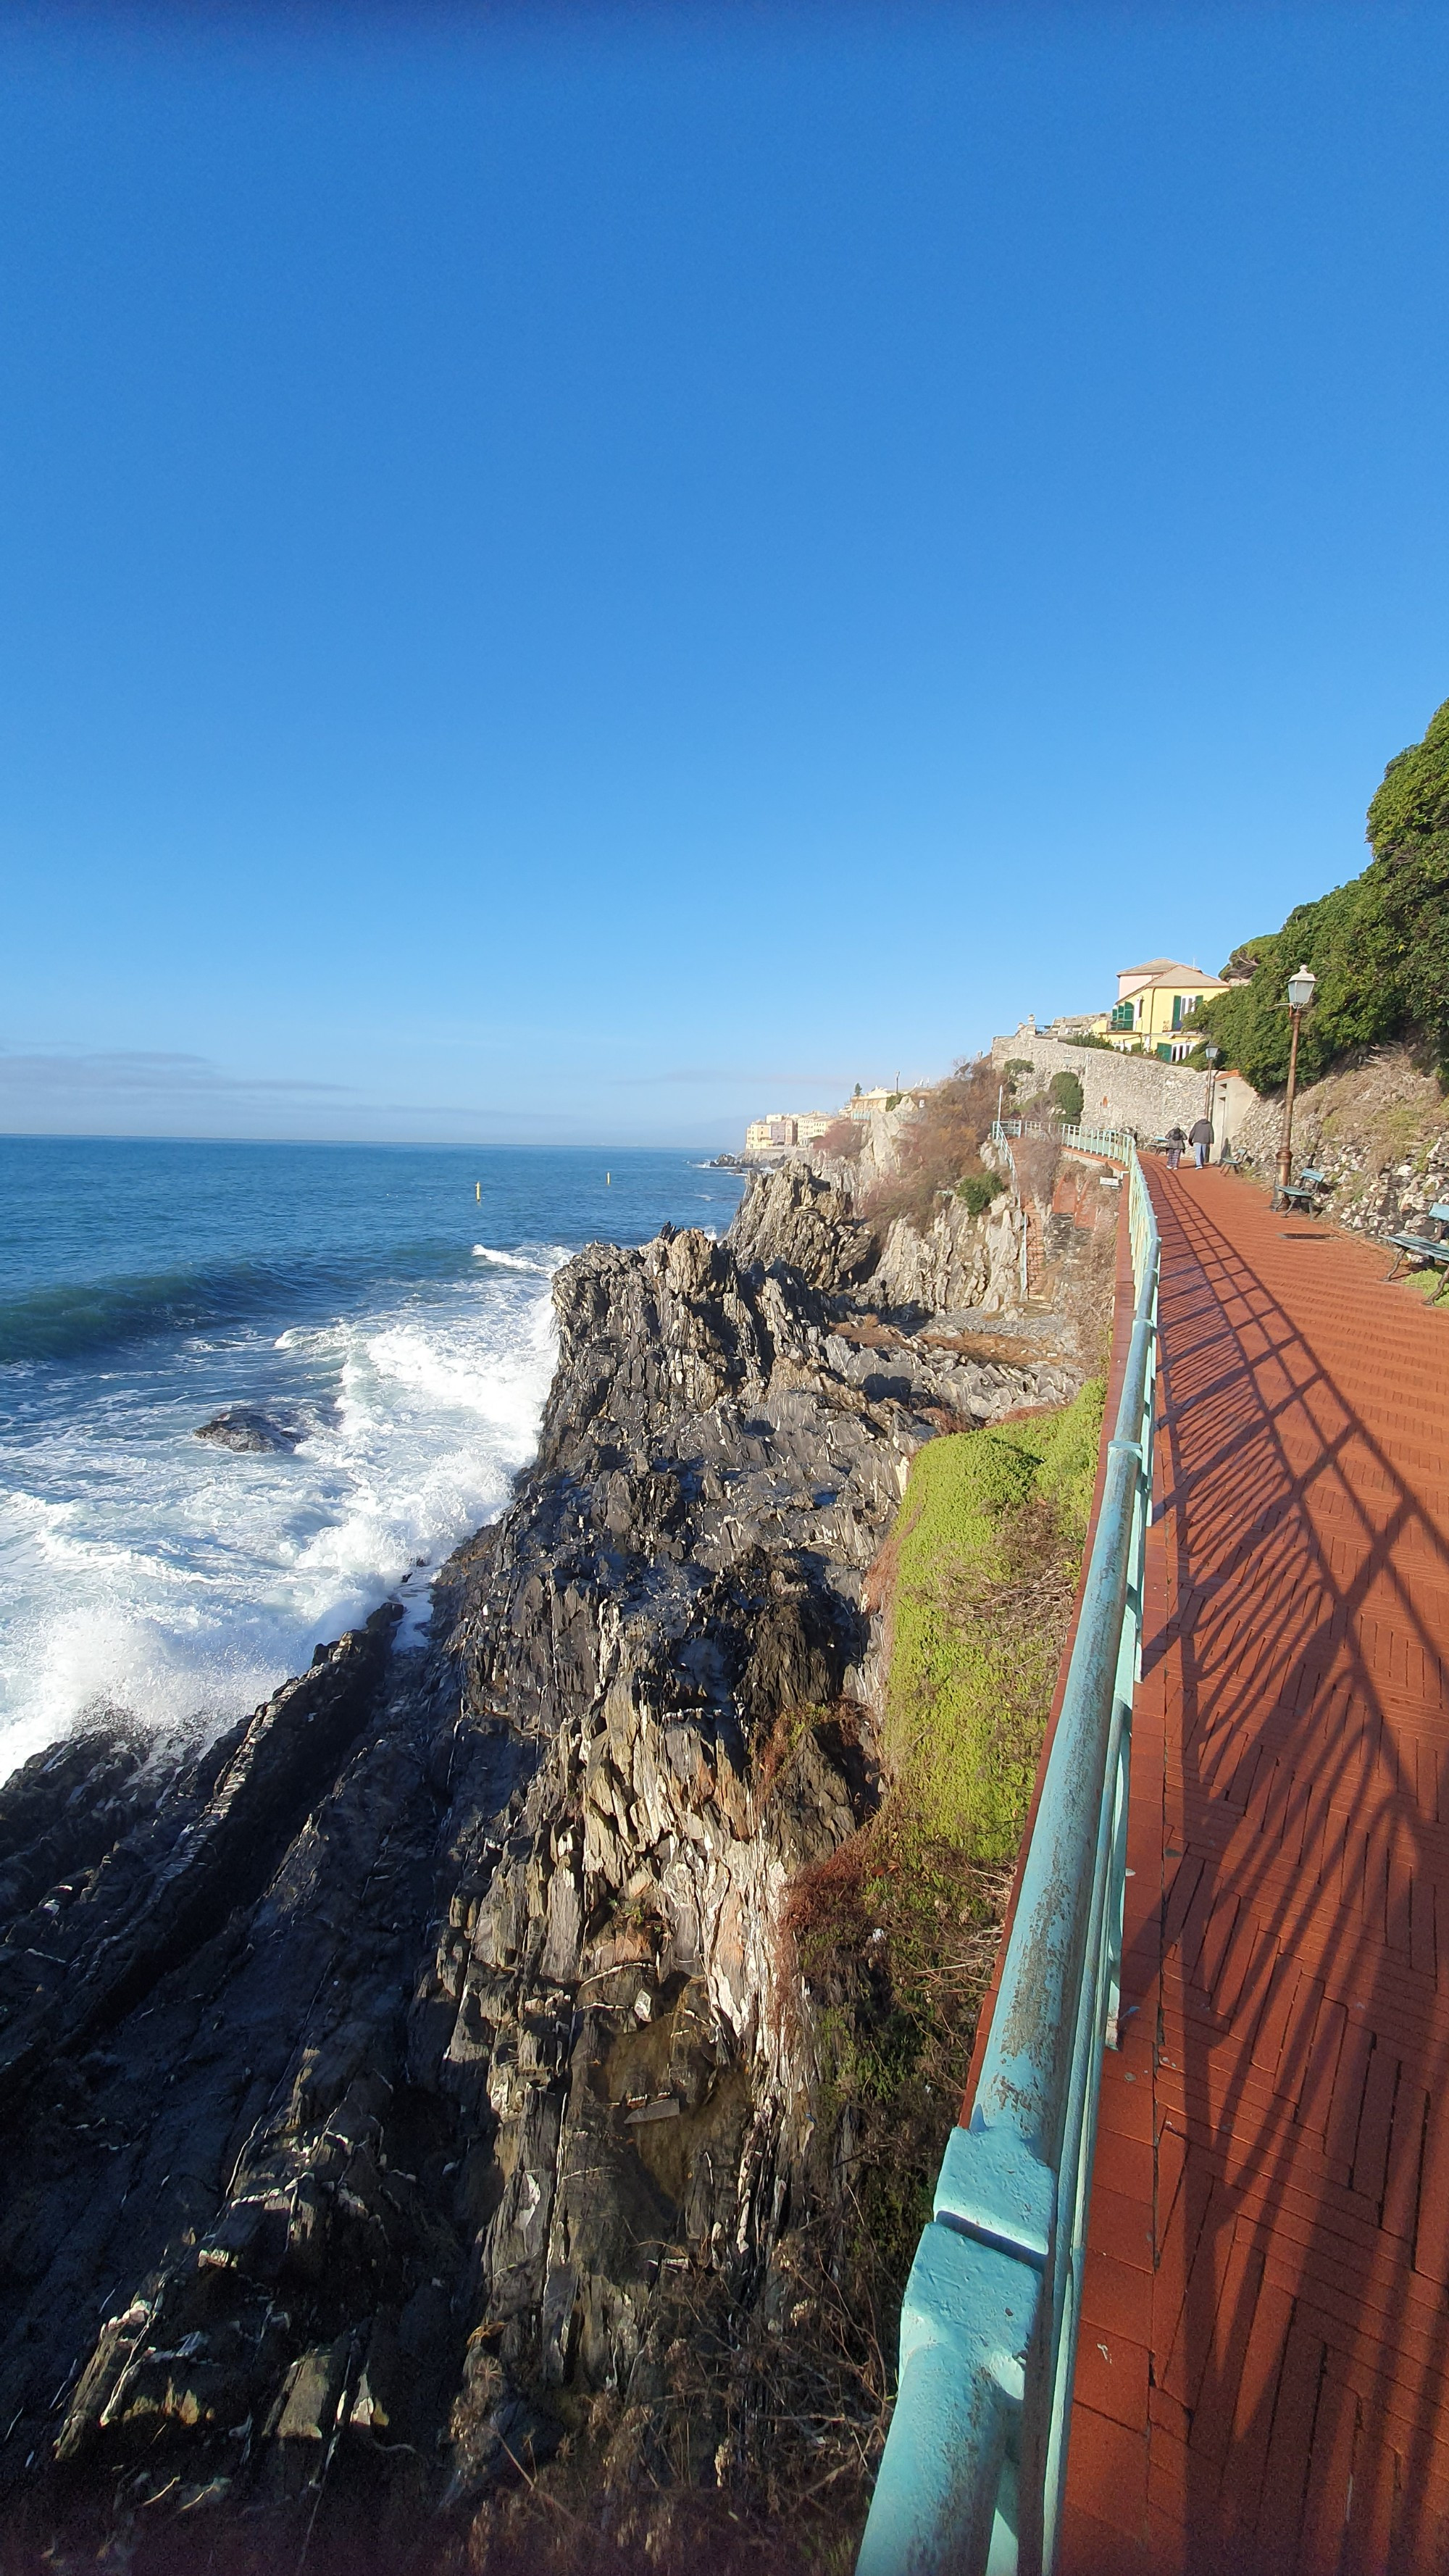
(418, 2082)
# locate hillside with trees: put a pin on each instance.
(1379, 945)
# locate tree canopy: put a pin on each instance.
(1379, 945)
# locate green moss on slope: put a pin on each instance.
(988, 1518)
(896, 1933)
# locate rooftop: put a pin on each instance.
(1184, 978)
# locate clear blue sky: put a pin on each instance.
(584, 574)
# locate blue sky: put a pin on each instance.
(583, 574)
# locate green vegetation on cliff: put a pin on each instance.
(897, 1931)
(988, 1517)
(1379, 945)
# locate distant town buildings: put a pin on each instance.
(787, 1127)
(1078, 1025)
(1156, 1005)
(861, 1104)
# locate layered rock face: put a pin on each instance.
(959, 1263)
(379, 2077)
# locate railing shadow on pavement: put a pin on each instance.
(1292, 1955)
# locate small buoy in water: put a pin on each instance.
(477, 1189)
(608, 1180)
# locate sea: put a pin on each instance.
(388, 1306)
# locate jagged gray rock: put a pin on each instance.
(959, 1263)
(247, 1427)
(376, 2071)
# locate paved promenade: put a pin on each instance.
(1263, 2373)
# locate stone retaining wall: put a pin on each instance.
(1129, 1090)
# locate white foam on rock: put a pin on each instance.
(150, 1573)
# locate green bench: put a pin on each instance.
(1426, 1247)
(1306, 1191)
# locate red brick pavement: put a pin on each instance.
(1263, 2371)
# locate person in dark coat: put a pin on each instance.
(1200, 1137)
(1175, 1141)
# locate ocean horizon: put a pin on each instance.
(383, 1309)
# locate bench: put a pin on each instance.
(1305, 1191)
(1426, 1247)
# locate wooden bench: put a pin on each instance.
(1426, 1247)
(1305, 1192)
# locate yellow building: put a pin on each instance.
(1155, 1007)
(786, 1127)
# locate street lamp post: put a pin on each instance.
(1212, 1053)
(1300, 994)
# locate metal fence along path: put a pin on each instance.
(974, 2466)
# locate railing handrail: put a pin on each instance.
(1115, 1143)
(975, 2463)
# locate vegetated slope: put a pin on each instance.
(940, 1152)
(1378, 945)
(1379, 1129)
(952, 1218)
(897, 1931)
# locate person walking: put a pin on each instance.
(1200, 1137)
(1176, 1143)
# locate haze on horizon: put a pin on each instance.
(580, 573)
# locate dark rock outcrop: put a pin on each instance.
(246, 1427)
(378, 2075)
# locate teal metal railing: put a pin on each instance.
(1116, 1143)
(975, 2464)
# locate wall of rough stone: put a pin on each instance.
(1131, 1090)
(1380, 1129)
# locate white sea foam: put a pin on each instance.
(152, 1573)
(539, 1260)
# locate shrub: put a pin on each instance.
(843, 1138)
(979, 1191)
(1066, 1095)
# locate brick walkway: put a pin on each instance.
(1263, 2373)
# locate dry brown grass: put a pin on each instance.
(746, 2441)
(940, 1147)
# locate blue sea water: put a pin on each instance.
(391, 1301)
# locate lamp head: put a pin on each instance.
(1212, 1053)
(1300, 989)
